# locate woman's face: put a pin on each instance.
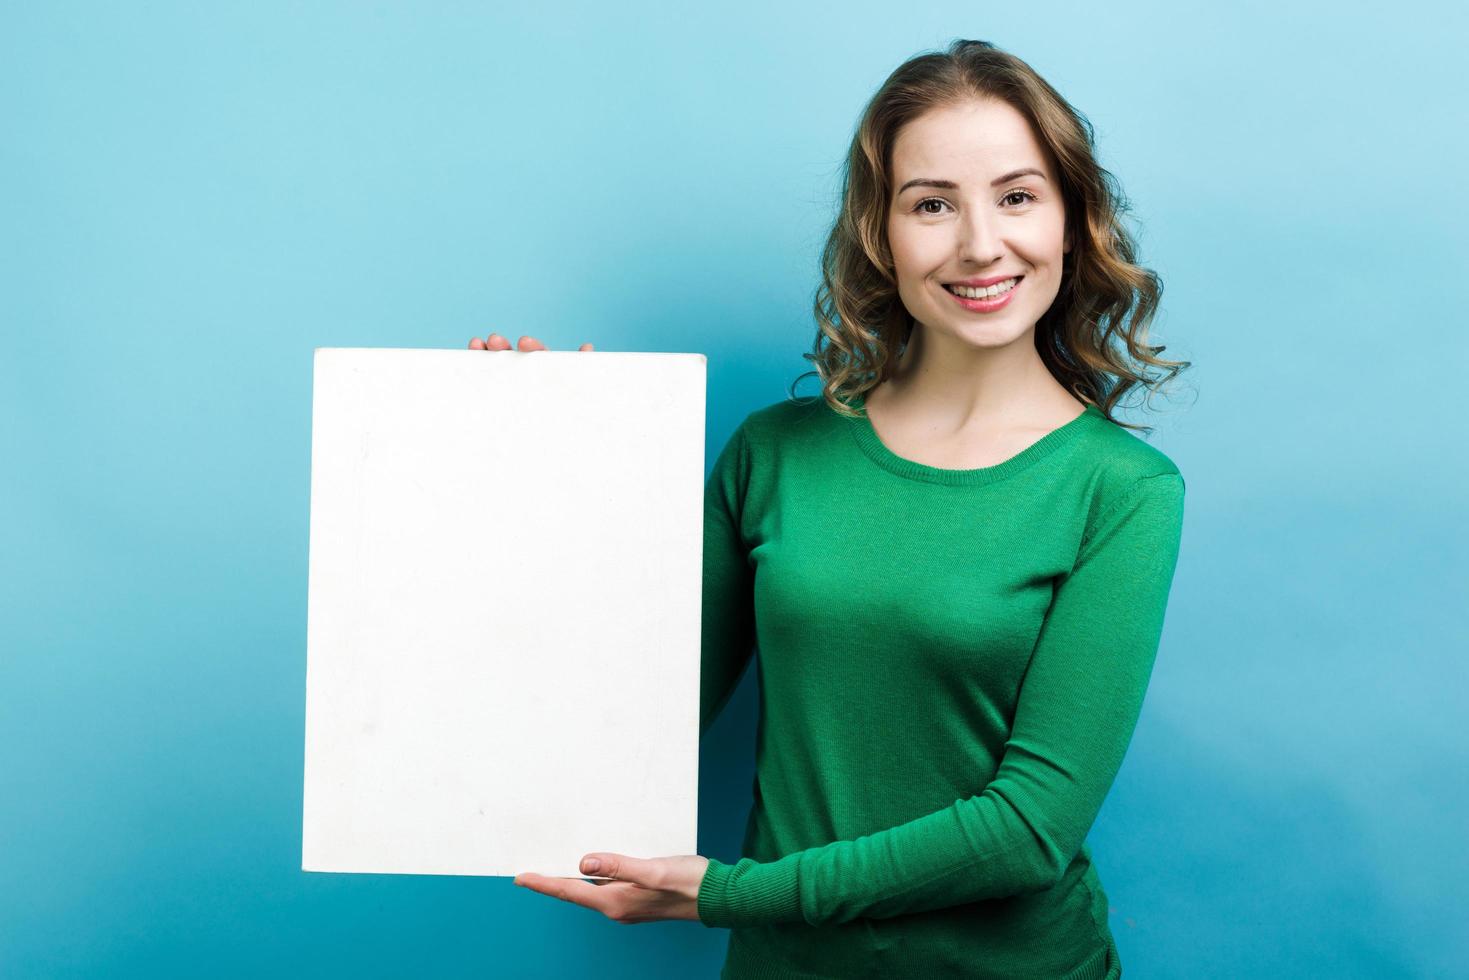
(963, 209)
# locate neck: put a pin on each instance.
(957, 383)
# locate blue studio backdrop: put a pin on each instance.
(194, 196)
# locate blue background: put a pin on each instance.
(194, 196)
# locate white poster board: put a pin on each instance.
(503, 614)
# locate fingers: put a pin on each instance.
(619, 866)
(572, 890)
(496, 342)
(493, 342)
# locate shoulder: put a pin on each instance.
(1123, 472)
(1120, 458)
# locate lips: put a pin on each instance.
(990, 304)
(951, 287)
(984, 283)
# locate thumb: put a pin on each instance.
(618, 866)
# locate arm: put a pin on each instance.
(729, 606)
(1078, 705)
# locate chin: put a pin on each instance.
(987, 337)
(990, 329)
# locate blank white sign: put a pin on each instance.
(503, 615)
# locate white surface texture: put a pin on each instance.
(503, 615)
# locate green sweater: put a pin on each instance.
(951, 666)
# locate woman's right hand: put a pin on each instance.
(496, 342)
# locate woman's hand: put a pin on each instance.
(639, 889)
(496, 342)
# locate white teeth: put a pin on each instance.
(988, 292)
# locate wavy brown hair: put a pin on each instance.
(1093, 339)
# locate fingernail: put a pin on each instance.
(591, 866)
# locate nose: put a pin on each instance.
(979, 241)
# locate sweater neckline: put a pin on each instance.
(879, 453)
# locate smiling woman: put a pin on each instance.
(953, 566)
(943, 710)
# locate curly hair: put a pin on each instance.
(1093, 339)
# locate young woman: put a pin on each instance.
(954, 564)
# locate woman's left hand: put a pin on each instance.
(641, 889)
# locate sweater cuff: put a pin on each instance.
(749, 893)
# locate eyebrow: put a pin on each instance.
(950, 185)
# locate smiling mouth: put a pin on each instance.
(988, 292)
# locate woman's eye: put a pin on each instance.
(922, 206)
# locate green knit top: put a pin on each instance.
(951, 665)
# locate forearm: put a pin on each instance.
(978, 848)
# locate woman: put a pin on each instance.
(954, 563)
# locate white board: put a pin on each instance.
(503, 613)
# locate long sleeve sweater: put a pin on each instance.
(951, 666)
